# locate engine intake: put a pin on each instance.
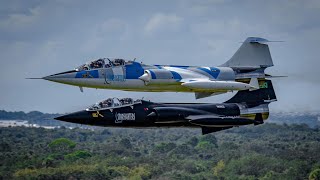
(158, 77)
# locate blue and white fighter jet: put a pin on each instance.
(241, 72)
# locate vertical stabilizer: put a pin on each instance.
(264, 94)
(253, 53)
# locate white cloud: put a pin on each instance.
(163, 22)
(20, 20)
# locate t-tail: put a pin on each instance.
(251, 59)
(254, 104)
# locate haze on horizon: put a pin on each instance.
(39, 38)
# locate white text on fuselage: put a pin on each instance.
(124, 117)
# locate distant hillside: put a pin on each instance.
(311, 119)
(33, 115)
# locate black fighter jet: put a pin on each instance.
(246, 107)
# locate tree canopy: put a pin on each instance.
(268, 151)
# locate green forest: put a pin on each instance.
(268, 151)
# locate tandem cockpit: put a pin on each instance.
(112, 103)
(103, 63)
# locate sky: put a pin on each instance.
(39, 38)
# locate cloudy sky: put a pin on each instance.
(39, 38)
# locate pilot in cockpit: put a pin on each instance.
(119, 62)
(83, 67)
(100, 63)
(125, 101)
(97, 64)
(106, 103)
(110, 64)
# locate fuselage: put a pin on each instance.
(246, 65)
(134, 76)
(149, 114)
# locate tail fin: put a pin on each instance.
(264, 94)
(253, 54)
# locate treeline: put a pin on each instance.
(311, 119)
(20, 115)
(268, 151)
(35, 117)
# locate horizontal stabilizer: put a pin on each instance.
(258, 40)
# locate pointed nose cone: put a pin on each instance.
(50, 78)
(80, 117)
(64, 77)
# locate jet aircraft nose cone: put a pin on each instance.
(49, 78)
(62, 118)
(76, 117)
(62, 77)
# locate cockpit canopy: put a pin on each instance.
(103, 63)
(113, 103)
